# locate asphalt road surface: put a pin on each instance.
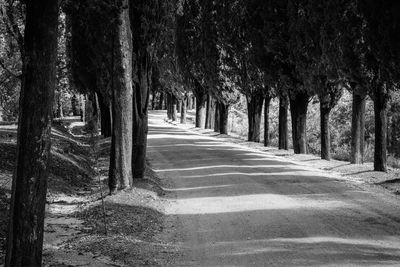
(237, 207)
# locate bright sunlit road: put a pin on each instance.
(237, 207)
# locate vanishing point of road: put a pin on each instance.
(238, 207)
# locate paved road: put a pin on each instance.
(237, 207)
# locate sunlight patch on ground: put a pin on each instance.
(198, 188)
(389, 242)
(214, 205)
(188, 145)
(289, 173)
(318, 246)
(226, 166)
(176, 136)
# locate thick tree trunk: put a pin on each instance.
(184, 110)
(325, 132)
(169, 104)
(178, 105)
(266, 120)
(114, 155)
(380, 112)
(160, 102)
(83, 108)
(190, 102)
(74, 105)
(210, 113)
(283, 123)
(201, 101)
(122, 103)
(174, 108)
(142, 82)
(153, 100)
(59, 110)
(216, 117)
(298, 110)
(254, 109)
(105, 115)
(223, 118)
(25, 236)
(358, 129)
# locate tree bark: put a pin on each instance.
(210, 113)
(254, 109)
(153, 100)
(160, 101)
(223, 118)
(357, 129)
(178, 105)
(283, 123)
(325, 132)
(122, 103)
(190, 102)
(105, 116)
(25, 235)
(169, 104)
(266, 120)
(216, 117)
(201, 100)
(380, 112)
(142, 70)
(174, 108)
(298, 110)
(184, 110)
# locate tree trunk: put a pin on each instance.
(160, 101)
(153, 100)
(105, 115)
(169, 104)
(358, 129)
(283, 123)
(254, 109)
(184, 110)
(83, 108)
(174, 108)
(325, 132)
(298, 110)
(266, 120)
(380, 112)
(216, 117)
(178, 105)
(190, 102)
(114, 154)
(210, 113)
(25, 236)
(122, 103)
(223, 118)
(201, 101)
(74, 104)
(142, 82)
